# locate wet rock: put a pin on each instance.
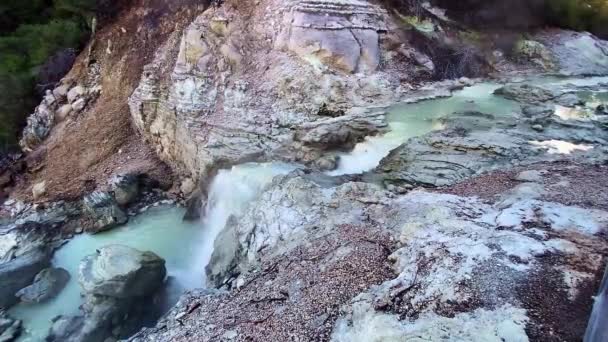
(125, 188)
(116, 282)
(525, 93)
(327, 163)
(121, 272)
(47, 284)
(19, 272)
(195, 204)
(472, 143)
(104, 211)
(569, 100)
(10, 328)
(70, 329)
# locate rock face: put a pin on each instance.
(19, 273)
(577, 53)
(121, 272)
(47, 284)
(116, 282)
(247, 77)
(104, 211)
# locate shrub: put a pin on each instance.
(37, 40)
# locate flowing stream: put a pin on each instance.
(187, 247)
(415, 119)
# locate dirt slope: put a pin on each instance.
(83, 151)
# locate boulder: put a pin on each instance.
(47, 284)
(576, 53)
(61, 92)
(75, 93)
(104, 210)
(63, 112)
(121, 272)
(125, 188)
(535, 52)
(38, 190)
(19, 273)
(116, 281)
(525, 93)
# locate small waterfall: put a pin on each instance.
(230, 193)
(597, 330)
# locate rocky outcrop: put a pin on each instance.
(47, 284)
(472, 142)
(19, 273)
(241, 80)
(103, 210)
(576, 53)
(455, 260)
(121, 272)
(124, 188)
(65, 100)
(115, 282)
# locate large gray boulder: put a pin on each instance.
(121, 272)
(47, 284)
(19, 272)
(104, 211)
(116, 282)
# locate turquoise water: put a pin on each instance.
(185, 246)
(406, 121)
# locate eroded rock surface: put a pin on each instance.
(473, 142)
(47, 284)
(116, 281)
(462, 266)
(240, 80)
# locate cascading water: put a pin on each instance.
(597, 330)
(415, 119)
(186, 247)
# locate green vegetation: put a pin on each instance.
(31, 32)
(587, 15)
